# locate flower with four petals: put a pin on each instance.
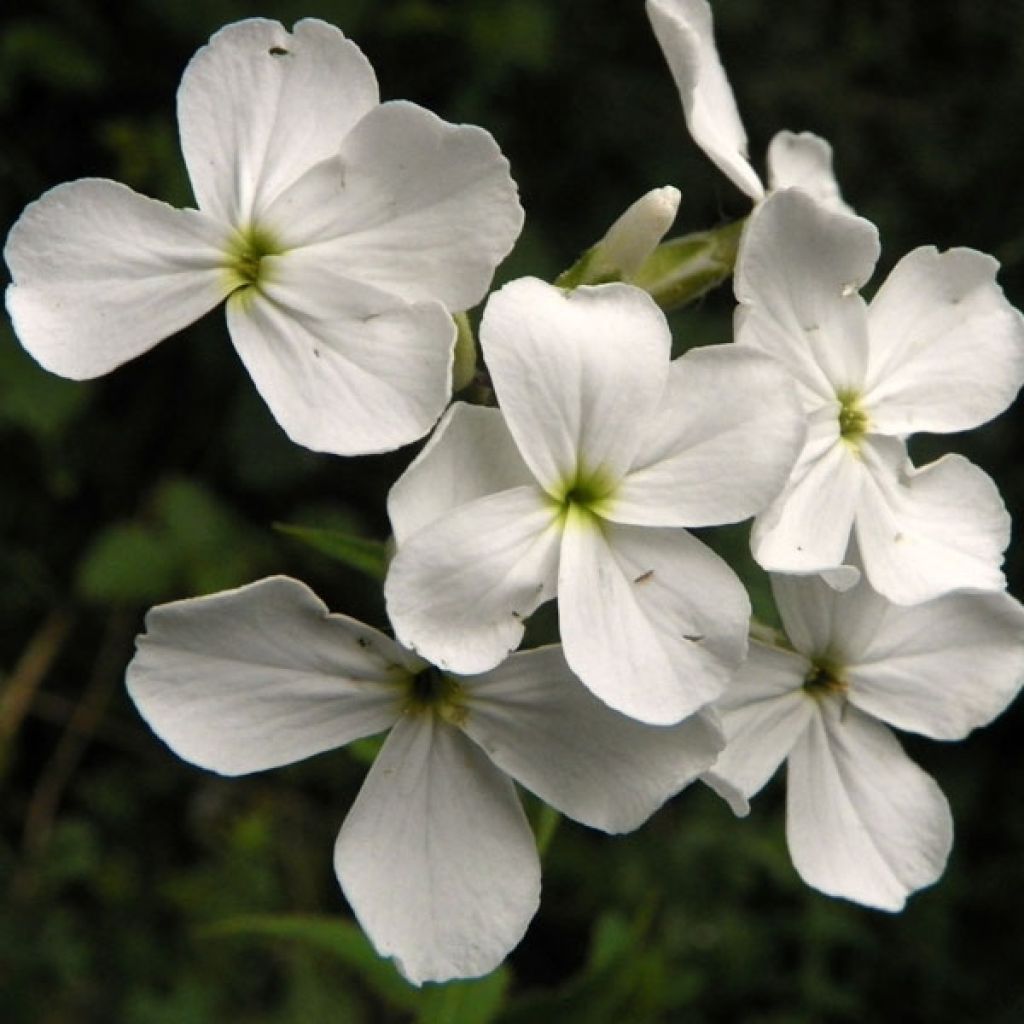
(580, 486)
(436, 856)
(862, 820)
(341, 232)
(938, 349)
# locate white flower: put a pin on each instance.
(862, 820)
(340, 231)
(685, 32)
(436, 856)
(939, 350)
(579, 486)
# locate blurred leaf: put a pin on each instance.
(368, 556)
(190, 542)
(33, 399)
(127, 564)
(332, 935)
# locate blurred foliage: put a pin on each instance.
(141, 890)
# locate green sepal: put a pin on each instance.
(590, 268)
(685, 268)
(368, 556)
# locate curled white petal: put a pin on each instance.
(804, 160)
(685, 32)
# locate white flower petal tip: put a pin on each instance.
(804, 160)
(721, 787)
(947, 347)
(436, 857)
(685, 33)
(344, 232)
(262, 676)
(634, 235)
(863, 822)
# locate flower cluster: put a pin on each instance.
(344, 236)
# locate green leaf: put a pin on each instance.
(127, 564)
(334, 936)
(368, 556)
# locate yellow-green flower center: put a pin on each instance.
(433, 690)
(585, 492)
(853, 420)
(245, 256)
(824, 680)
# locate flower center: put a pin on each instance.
(585, 492)
(245, 257)
(432, 690)
(853, 420)
(823, 680)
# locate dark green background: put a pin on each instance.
(162, 480)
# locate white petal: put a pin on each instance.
(924, 532)
(458, 590)
(720, 446)
(807, 528)
(862, 820)
(651, 620)
(436, 856)
(763, 712)
(685, 32)
(101, 274)
(574, 373)
(823, 621)
(471, 454)
(799, 268)
(411, 204)
(263, 676)
(804, 160)
(540, 725)
(258, 106)
(944, 667)
(345, 368)
(947, 349)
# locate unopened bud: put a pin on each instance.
(628, 242)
